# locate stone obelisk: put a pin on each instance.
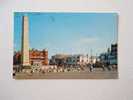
(25, 43)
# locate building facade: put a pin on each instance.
(78, 60)
(61, 59)
(110, 57)
(36, 57)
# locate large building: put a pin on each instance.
(36, 57)
(61, 59)
(39, 57)
(110, 57)
(113, 54)
(78, 60)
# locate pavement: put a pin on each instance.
(69, 75)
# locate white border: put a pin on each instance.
(120, 89)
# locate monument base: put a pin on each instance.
(26, 68)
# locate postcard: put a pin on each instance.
(65, 45)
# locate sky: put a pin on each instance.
(68, 33)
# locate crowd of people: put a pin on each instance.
(68, 68)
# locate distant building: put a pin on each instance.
(78, 60)
(39, 57)
(113, 54)
(110, 57)
(61, 59)
(36, 57)
(94, 59)
(58, 59)
(104, 58)
(17, 58)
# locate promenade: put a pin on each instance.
(69, 75)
